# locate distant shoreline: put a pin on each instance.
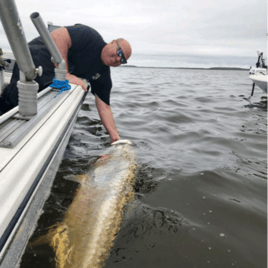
(10, 55)
(189, 68)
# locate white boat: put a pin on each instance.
(31, 148)
(258, 74)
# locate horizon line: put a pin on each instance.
(192, 68)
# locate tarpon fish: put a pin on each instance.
(85, 236)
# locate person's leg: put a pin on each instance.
(41, 57)
(9, 98)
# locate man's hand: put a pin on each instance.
(75, 80)
(107, 119)
(116, 139)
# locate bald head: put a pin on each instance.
(126, 47)
(109, 54)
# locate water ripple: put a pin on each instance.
(201, 184)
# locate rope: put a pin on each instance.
(63, 85)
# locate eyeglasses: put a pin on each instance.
(120, 53)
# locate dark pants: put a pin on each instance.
(41, 57)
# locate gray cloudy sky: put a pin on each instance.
(187, 29)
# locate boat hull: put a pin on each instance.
(23, 167)
(260, 80)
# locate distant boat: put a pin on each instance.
(258, 74)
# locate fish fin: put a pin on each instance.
(76, 178)
(82, 178)
(44, 239)
(60, 244)
(57, 237)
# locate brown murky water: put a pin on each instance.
(201, 182)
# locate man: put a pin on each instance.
(86, 56)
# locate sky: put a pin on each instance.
(164, 33)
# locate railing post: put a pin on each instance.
(60, 70)
(14, 31)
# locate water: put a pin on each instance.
(201, 183)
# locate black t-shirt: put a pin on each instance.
(84, 60)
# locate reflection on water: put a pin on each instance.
(201, 181)
(260, 105)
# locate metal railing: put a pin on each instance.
(27, 87)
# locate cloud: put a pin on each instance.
(185, 27)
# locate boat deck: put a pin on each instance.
(16, 127)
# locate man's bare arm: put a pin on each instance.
(107, 119)
(63, 41)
